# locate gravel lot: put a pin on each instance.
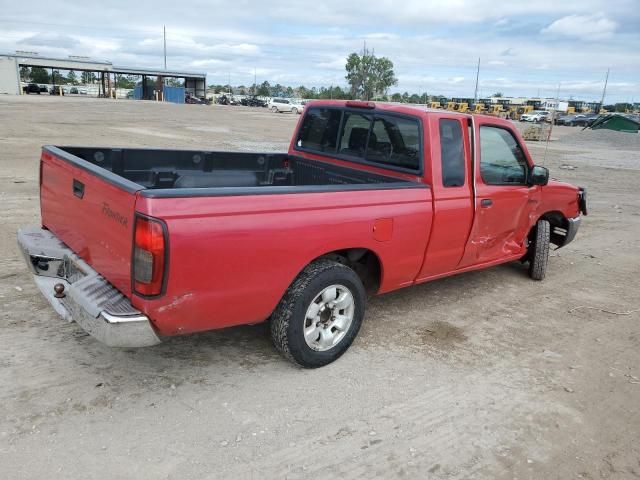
(483, 375)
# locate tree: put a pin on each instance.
(39, 75)
(264, 90)
(25, 74)
(126, 82)
(369, 75)
(57, 78)
(497, 95)
(88, 77)
(396, 97)
(72, 78)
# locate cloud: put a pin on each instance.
(585, 27)
(434, 45)
(52, 40)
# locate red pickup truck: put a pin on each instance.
(140, 244)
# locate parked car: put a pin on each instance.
(139, 244)
(57, 90)
(562, 118)
(253, 101)
(74, 91)
(279, 105)
(536, 116)
(227, 100)
(44, 89)
(583, 120)
(31, 88)
(195, 100)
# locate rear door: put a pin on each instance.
(503, 201)
(92, 211)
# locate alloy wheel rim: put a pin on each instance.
(328, 318)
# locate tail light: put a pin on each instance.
(149, 256)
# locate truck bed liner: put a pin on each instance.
(183, 173)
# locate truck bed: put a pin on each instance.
(186, 173)
(90, 196)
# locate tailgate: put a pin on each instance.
(92, 211)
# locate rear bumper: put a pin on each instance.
(89, 300)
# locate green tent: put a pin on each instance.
(616, 122)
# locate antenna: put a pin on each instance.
(475, 94)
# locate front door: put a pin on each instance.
(503, 198)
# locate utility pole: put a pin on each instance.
(164, 35)
(255, 81)
(475, 93)
(604, 91)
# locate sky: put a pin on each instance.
(526, 48)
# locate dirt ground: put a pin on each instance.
(487, 375)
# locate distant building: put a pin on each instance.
(106, 73)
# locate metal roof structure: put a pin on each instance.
(88, 64)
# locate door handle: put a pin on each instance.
(78, 188)
(486, 202)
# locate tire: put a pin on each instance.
(294, 110)
(274, 109)
(539, 250)
(293, 315)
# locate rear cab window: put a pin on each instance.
(384, 139)
(319, 131)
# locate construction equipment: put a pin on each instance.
(462, 107)
(495, 110)
(435, 105)
(478, 108)
(451, 106)
(571, 110)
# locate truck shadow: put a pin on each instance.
(415, 315)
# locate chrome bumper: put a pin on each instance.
(89, 300)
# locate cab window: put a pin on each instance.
(502, 161)
(451, 153)
(394, 141)
(319, 130)
(354, 135)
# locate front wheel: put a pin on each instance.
(294, 110)
(539, 250)
(320, 314)
(274, 109)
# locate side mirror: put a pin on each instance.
(538, 176)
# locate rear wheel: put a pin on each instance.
(539, 250)
(294, 110)
(320, 314)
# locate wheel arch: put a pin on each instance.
(559, 225)
(364, 261)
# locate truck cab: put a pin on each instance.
(487, 193)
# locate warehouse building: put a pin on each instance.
(152, 83)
